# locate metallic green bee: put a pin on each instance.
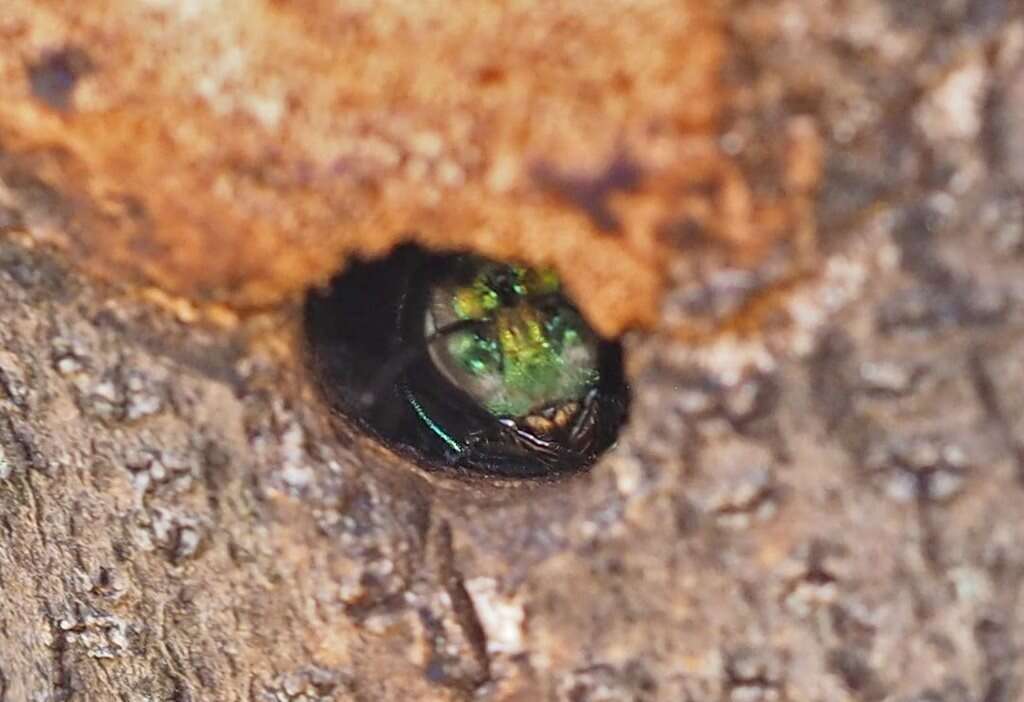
(469, 363)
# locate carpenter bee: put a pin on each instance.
(467, 363)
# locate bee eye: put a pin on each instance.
(464, 363)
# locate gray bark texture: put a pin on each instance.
(832, 511)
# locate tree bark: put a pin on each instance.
(828, 511)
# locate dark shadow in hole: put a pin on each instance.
(366, 345)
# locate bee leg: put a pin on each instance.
(503, 449)
(477, 443)
(582, 434)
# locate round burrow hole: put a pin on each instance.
(462, 363)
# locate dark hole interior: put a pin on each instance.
(367, 347)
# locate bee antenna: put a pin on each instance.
(400, 361)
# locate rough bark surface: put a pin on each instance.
(827, 508)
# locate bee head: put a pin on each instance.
(532, 350)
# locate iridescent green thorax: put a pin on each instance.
(531, 349)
